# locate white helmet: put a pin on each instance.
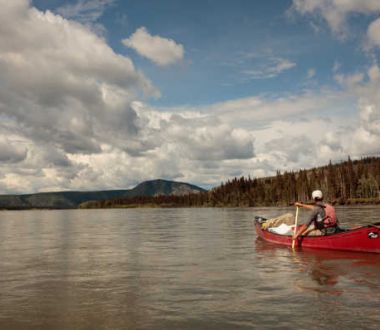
(317, 194)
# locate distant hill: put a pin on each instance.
(163, 187)
(72, 199)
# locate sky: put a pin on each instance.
(105, 94)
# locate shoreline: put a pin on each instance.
(352, 202)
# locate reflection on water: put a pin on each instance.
(176, 269)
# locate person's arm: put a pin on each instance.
(302, 230)
(306, 206)
(306, 229)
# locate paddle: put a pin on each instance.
(295, 230)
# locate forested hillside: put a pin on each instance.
(344, 183)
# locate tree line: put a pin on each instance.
(348, 182)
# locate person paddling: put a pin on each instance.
(322, 221)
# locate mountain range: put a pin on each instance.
(72, 199)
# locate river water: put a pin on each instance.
(177, 269)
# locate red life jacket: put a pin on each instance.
(330, 218)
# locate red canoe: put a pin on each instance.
(360, 239)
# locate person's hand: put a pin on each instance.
(298, 204)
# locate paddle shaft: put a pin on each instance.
(295, 230)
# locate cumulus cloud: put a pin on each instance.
(364, 138)
(62, 83)
(303, 142)
(63, 87)
(287, 133)
(182, 147)
(208, 141)
(373, 33)
(336, 12)
(291, 148)
(194, 136)
(367, 135)
(256, 112)
(159, 50)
